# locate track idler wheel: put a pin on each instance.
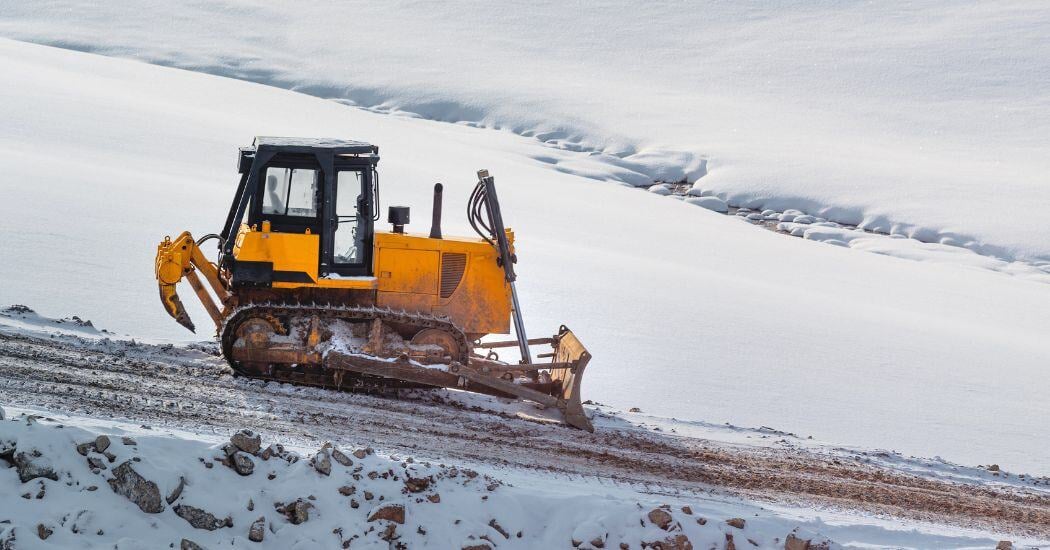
(432, 345)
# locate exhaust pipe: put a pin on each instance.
(435, 224)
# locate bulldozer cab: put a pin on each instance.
(322, 187)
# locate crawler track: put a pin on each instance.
(195, 391)
(315, 375)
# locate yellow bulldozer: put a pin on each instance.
(305, 290)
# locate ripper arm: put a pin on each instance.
(180, 258)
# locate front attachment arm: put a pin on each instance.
(179, 258)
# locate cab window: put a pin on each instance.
(290, 192)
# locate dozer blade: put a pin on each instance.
(569, 350)
(565, 372)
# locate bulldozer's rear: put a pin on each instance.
(306, 290)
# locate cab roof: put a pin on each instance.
(306, 145)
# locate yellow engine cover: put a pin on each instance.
(455, 277)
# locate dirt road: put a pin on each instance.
(192, 389)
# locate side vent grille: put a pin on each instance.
(453, 264)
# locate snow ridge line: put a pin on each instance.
(897, 240)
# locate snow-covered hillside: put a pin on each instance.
(688, 313)
(925, 118)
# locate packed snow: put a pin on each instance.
(688, 313)
(927, 119)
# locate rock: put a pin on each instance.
(251, 505)
(2, 414)
(791, 542)
(598, 542)
(736, 522)
(354, 504)
(659, 189)
(247, 441)
(482, 546)
(200, 519)
(322, 462)
(499, 528)
(128, 441)
(417, 484)
(341, 458)
(257, 531)
(730, 545)
(85, 448)
(661, 518)
(188, 544)
(714, 204)
(677, 542)
(687, 510)
(96, 463)
(142, 492)
(634, 410)
(804, 219)
(31, 465)
(389, 512)
(1004, 544)
(435, 498)
(297, 512)
(227, 451)
(101, 443)
(368, 495)
(993, 468)
(360, 454)
(242, 463)
(42, 531)
(390, 533)
(177, 492)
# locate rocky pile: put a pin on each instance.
(68, 487)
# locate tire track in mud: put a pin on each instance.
(191, 390)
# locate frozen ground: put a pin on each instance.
(63, 384)
(923, 118)
(688, 314)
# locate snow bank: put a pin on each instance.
(67, 487)
(929, 117)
